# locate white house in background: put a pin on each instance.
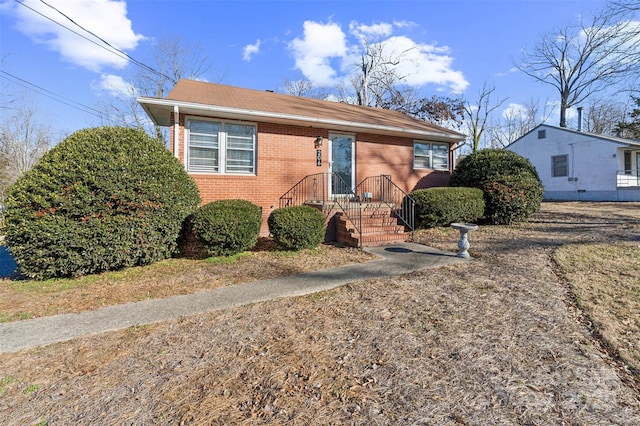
(580, 166)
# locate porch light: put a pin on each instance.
(318, 142)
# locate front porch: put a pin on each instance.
(376, 212)
(629, 178)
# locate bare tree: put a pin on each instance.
(630, 128)
(376, 81)
(171, 60)
(580, 60)
(516, 121)
(624, 5)
(22, 142)
(603, 115)
(477, 115)
(305, 89)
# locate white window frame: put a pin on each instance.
(430, 156)
(222, 146)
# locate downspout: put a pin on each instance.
(176, 131)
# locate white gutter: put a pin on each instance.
(176, 131)
(253, 114)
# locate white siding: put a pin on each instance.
(593, 163)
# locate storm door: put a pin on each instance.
(342, 163)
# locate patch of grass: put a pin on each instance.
(17, 316)
(31, 388)
(5, 382)
(137, 328)
(60, 284)
(225, 260)
(606, 281)
(23, 299)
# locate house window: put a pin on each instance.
(559, 165)
(542, 134)
(221, 147)
(627, 162)
(430, 156)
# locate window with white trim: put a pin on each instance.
(430, 155)
(221, 147)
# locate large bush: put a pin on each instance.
(297, 227)
(227, 227)
(512, 189)
(443, 206)
(103, 199)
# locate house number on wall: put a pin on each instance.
(318, 157)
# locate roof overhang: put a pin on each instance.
(160, 111)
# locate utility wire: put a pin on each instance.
(69, 102)
(110, 47)
(121, 52)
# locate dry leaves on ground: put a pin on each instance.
(496, 340)
(28, 299)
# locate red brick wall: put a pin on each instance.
(286, 154)
(377, 154)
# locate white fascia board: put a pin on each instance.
(300, 120)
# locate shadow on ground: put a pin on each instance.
(8, 265)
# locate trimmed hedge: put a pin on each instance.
(512, 189)
(297, 227)
(227, 227)
(104, 198)
(443, 206)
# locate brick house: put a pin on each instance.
(277, 150)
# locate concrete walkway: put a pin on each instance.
(394, 260)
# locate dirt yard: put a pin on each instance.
(502, 339)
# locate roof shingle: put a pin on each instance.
(266, 101)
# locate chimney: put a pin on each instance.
(579, 118)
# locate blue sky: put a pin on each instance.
(456, 46)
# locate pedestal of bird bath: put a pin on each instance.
(463, 243)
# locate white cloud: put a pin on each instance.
(105, 18)
(511, 70)
(422, 64)
(374, 31)
(419, 63)
(514, 111)
(404, 24)
(313, 52)
(117, 86)
(250, 50)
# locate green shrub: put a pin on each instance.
(227, 227)
(443, 206)
(512, 189)
(297, 227)
(102, 199)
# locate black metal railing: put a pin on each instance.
(345, 197)
(322, 189)
(314, 189)
(381, 189)
(310, 189)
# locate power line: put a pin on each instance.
(121, 52)
(59, 98)
(110, 48)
